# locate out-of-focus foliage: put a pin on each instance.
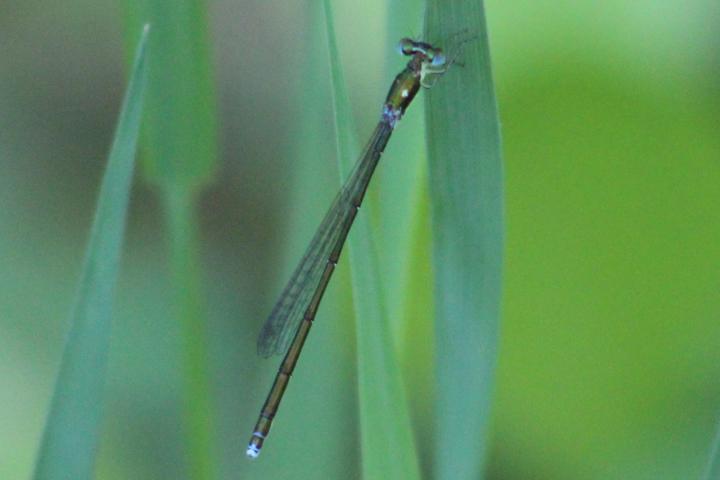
(608, 353)
(73, 426)
(180, 156)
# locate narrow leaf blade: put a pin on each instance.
(388, 448)
(467, 212)
(71, 433)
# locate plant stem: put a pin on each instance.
(180, 203)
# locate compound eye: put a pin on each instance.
(406, 47)
(438, 59)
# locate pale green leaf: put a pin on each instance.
(466, 189)
(72, 430)
(388, 449)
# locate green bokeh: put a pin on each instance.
(609, 358)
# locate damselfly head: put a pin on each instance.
(427, 52)
(435, 62)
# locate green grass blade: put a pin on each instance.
(387, 443)
(71, 433)
(179, 147)
(467, 211)
(712, 471)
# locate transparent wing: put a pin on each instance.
(286, 315)
(288, 311)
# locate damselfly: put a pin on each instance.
(288, 325)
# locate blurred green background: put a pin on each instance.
(609, 359)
